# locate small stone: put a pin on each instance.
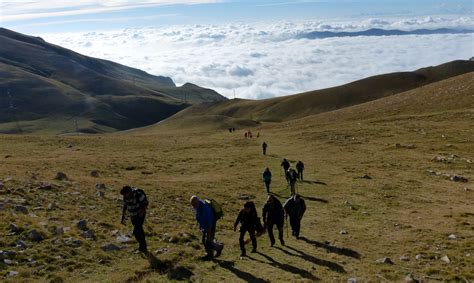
(100, 186)
(12, 273)
(21, 209)
(82, 224)
(95, 173)
(35, 236)
(352, 280)
(343, 232)
(404, 258)
(124, 239)
(456, 178)
(13, 228)
(410, 278)
(60, 176)
(452, 237)
(89, 234)
(52, 206)
(366, 177)
(384, 260)
(100, 194)
(446, 259)
(130, 168)
(21, 245)
(161, 251)
(46, 186)
(110, 247)
(418, 257)
(58, 231)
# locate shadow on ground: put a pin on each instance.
(332, 249)
(289, 268)
(329, 264)
(314, 182)
(229, 265)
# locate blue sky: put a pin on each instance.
(67, 15)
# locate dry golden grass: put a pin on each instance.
(402, 210)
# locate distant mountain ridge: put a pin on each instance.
(40, 80)
(380, 32)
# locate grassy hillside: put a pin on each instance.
(319, 101)
(379, 171)
(43, 81)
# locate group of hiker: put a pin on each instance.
(208, 212)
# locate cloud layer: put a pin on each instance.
(262, 60)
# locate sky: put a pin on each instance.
(255, 49)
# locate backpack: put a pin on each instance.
(216, 208)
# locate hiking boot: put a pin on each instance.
(272, 244)
(219, 250)
(243, 255)
(254, 251)
(282, 242)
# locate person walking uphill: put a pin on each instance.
(267, 179)
(300, 169)
(273, 214)
(292, 177)
(249, 222)
(285, 164)
(207, 224)
(264, 148)
(136, 203)
(295, 207)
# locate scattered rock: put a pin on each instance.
(58, 231)
(60, 176)
(13, 228)
(352, 280)
(21, 245)
(21, 209)
(35, 236)
(244, 197)
(69, 146)
(100, 194)
(110, 247)
(404, 258)
(366, 177)
(161, 251)
(410, 278)
(418, 257)
(147, 172)
(130, 168)
(46, 186)
(100, 186)
(52, 206)
(72, 242)
(446, 259)
(12, 273)
(124, 239)
(408, 146)
(89, 234)
(95, 173)
(343, 232)
(452, 237)
(456, 178)
(384, 260)
(82, 224)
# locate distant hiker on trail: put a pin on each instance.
(250, 134)
(258, 135)
(264, 148)
(267, 179)
(292, 177)
(207, 224)
(230, 130)
(273, 214)
(136, 203)
(249, 222)
(245, 135)
(295, 207)
(300, 168)
(233, 129)
(285, 164)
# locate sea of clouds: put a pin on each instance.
(263, 60)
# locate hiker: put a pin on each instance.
(295, 207)
(291, 177)
(207, 224)
(300, 168)
(273, 214)
(264, 148)
(136, 203)
(267, 179)
(249, 222)
(258, 135)
(285, 164)
(230, 130)
(245, 135)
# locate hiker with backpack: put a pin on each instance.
(267, 179)
(295, 207)
(285, 164)
(273, 215)
(292, 177)
(300, 168)
(207, 218)
(249, 222)
(136, 203)
(264, 148)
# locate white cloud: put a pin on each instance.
(263, 60)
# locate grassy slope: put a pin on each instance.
(402, 210)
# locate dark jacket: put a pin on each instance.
(273, 212)
(294, 208)
(248, 220)
(285, 164)
(299, 166)
(267, 176)
(292, 175)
